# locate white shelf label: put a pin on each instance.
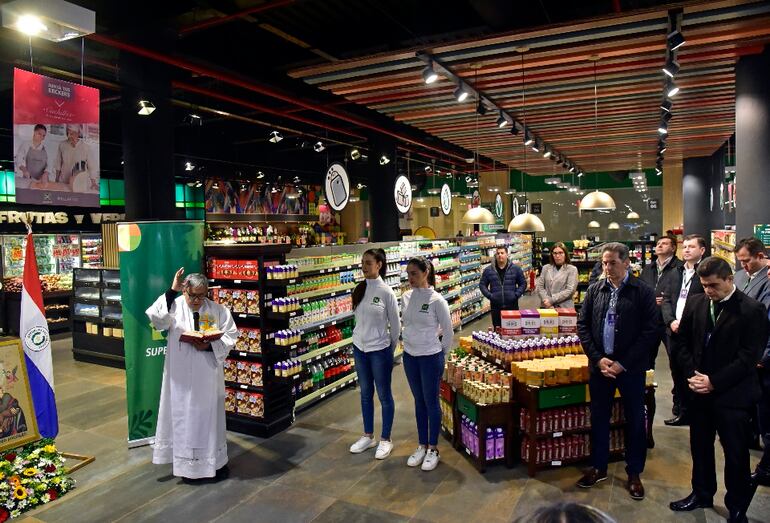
(467, 451)
(243, 354)
(556, 463)
(244, 387)
(334, 389)
(322, 396)
(558, 434)
(498, 361)
(236, 281)
(242, 315)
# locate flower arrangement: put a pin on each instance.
(30, 476)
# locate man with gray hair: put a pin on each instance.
(618, 326)
(191, 419)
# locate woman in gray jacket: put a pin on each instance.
(558, 280)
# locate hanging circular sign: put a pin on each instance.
(476, 200)
(446, 199)
(499, 206)
(402, 194)
(515, 206)
(721, 196)
(711, 199)
(337, 187)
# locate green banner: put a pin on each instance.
(150, 254)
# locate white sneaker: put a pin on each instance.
(383, 449)
(363, 444)
(416, 458)
(431, 460)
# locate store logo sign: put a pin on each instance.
(446, 199)
(402, 194)
(337, 186)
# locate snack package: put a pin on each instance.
(243, 372)
(256, 405)
(239, 301)
(242, 402)
(256, 374)
(252, 302)
(230, 402)
(242, 342)
(229, 368)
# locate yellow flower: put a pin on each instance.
(14, 480)
(56, 480)
(31, 471)
(49, 448)
(20, 493)
(2, 476)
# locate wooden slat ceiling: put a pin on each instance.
(559, 87)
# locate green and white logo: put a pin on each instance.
(424, 307)
(37, 339)
(376, 299)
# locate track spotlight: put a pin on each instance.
(662, 148)
(572, 168)
(528, 140)
(663, 127)
(461, 93)
(546, 152)
(580, 174)
(318, 147)
(260, 175)
(384, 160)
(189, 166)
(514, 130)
(146, 107)
(675, 40)
(355, 154)
(502, 121)
(671, 89)
(671, 68)
(428, 74)
(658, 171)
(428, 168)
(481, 108)
(275, 136)
(666, 105)
(536, 146)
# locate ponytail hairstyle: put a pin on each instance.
(360, 290)
(425, 265)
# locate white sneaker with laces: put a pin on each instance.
(363, 444)
(416, 458)
(383, 449)
(431, 460)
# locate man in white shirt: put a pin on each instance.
(688, 284)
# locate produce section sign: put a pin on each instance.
(55, 141)
(150, 254)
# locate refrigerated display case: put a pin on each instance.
(97, 322)
(91, 251)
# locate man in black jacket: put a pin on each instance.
(502, 283)
(619, 325)
(686, 285)
(721, 338)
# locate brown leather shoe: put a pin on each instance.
(635, 487)
(591, 477)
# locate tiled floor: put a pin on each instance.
(307, 474)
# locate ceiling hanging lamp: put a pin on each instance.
(593, 224)
(478, 215)
(613, 226)
(596, 200)
(633, 215)
(526, 221)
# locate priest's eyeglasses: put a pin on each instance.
(195, 297)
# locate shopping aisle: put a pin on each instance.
(307, 473)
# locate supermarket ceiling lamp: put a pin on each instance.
(502, 121)
(355, 154)
(384, 160)
(671, 89)
(633, 215)
(54, 20)
(552, 180)
(526, 222)
(675, 40)
(663, 127)
(428, 74)
(613, 226)
(481, 108)
(593, 224)
(597, 201)
(671, 68)
(275, 137)
(666, 105)
(528, 140)
(146, 108)
(461, 93)
(189, 166)
(479, 216)
(319, 147)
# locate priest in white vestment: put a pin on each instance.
(191, 419)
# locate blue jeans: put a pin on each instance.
(375, 369)
(631, 385)
(424, 375)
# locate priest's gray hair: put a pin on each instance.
(195, 280)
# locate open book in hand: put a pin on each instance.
(206, 336)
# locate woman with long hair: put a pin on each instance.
(558, 280)
(427, 335)
(375, 307)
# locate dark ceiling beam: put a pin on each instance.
(215, 21)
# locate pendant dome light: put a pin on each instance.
(633, 215)
(613, 226)
(593, 224)
(597, 200)
(524, 222)
(479, 216)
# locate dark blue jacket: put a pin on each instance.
(638, 329)
(506, 295)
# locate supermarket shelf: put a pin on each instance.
(723, 245)
(394, 273)
(325, 351)
(618, 454)
(467, 258)
(305, 297)
(281, 282)
(326, 269)
(88, 301)
(283, 316)
(328, 322)
(227, 281)
(448, 283)
(241, 386)
(279, 348)
(474, 300)
(329, 389)
(247, 355)
(245, 316)
(470, 266)
(455, 307)
(446, 268)
(93, 319)
(469, 288)
(472, 317)
(471, 277)
(451, 295)
(562, 433)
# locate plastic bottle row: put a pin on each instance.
(323, 281)
(316, 311)
(556, 450)
(281, 272)
(494, 436)
(323, 373)
(566, 419)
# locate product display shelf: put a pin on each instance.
(275, 395)
(305, 297)
(723, 245)
(327, 350)
(97, 317)
(540, 402)
(324, 392)
(486, 416)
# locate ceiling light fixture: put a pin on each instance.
(318, 147)
(593, 224)
(260, 175)
(481, 108)
(547, 153)
(552, 180)
(146, 107)
(502, 121)
(663, 128)
(536, 147)
(633, 215)
(478, 216)
(528, 140)
(671, 68)
(384, 160)
(461, 93)
(189, 166)
(675, 40)
(355, 154)
(671, 89)
(275, 137)
(613, 226)
(54, 20)
(428, 74)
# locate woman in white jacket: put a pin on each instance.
(375, 307)
(427, 334)
(558, 280)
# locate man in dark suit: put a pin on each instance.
(752, 279)
(721, 337)
(687, 284)
(619, 325)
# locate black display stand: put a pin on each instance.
(97, 290)
(12, 307)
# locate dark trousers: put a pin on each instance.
(631, 386)
(680, 390)
(764, 419)
(733, 427)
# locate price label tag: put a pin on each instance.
(292, 281)
(244, 387)
(484, 354)
(558, 434)
(242, 315)
(468, 452)
(293, 347)
(334, 389)
(323, 395)
(498, 361)
(243, 354)
(322, 326)
(556, 463)
(236, 281)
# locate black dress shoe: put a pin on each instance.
(679, 421)
(760, 477)
(737, 516)
(689, 503)
(675, 410)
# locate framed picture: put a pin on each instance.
(18, 423)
